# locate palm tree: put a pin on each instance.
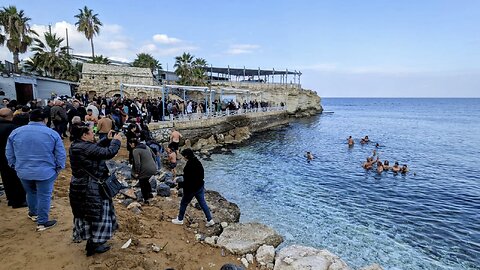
(50, 56)
(146, 60)
(89, 24)
(100, 59)
(17, 32)
(183, 67)
(199, 77)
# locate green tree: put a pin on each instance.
(199, 76)
(146, 60)
(183, 67)
(18, 34)
(50, 57)
(89, 24)
(100, 59)
(72, 72)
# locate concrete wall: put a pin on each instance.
(45, 88)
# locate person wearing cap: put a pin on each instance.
(13, 187)
(37, 153)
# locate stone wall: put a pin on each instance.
(105, 80)
(214, 132)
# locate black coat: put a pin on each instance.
(85, 197)
(193, 175)
(6, 127)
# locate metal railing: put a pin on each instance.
(181, 117)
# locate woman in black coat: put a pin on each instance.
(193, 186)
(94, 215)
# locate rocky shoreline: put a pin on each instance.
(253, 243)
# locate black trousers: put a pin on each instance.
(146, 188)
(13, 187)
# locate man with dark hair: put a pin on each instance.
(37, 153)
(144, 167)
(13, 187)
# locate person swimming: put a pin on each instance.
(365, 140)
(350, 141)
(377, 145)
(379, 167)
(396, 168)
(404, 169)
(386, 165)
(309, 156)
(367, 165)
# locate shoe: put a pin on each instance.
(93, 248)
(177, 221)
(210, 223)
(47, 225)
(31, 216)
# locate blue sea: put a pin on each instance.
(426, 219)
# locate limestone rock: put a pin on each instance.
(242, 133)
(249, 258)
(224, 224)
(301, 257)
(229, 139)
(130, 193)
(134, 204)
(244, 262)
(221, 209)
(243, 238)
(265, 254)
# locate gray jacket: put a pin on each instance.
(144, 163)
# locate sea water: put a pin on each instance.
(426, 219)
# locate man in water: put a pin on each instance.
(175, 139)
(365, 140)
(309, 156)
(350, 141)
(379, 167)
(396, 167)
(404, 169)
(367, 165)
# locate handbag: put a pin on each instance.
(108, 187)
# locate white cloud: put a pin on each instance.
(242, 49)
(164, 39)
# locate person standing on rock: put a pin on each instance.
(94, 217)
(193, 186)
(175, 140)
(144, 167)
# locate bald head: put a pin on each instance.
(6, 113)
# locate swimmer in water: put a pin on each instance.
(386, 165)
(350, 141)
(365, 140)
(404, 169)
(377, 145)
(379, 167)
(396, 167)
(367, 165)
(374, 152)
(309, 156)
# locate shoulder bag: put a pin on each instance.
(108, 187)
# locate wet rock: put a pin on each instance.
(224, 224)
(153, 183)
(229, 139)
(133, 205)
(138, 194)
(243, 238)
(244, 262)
(163, 190)
(265, 254)
(301, 257)
(242, 133)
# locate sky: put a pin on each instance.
(350, 48)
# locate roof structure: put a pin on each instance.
(249, 72)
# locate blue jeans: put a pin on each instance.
(39, 195)
(187, 198)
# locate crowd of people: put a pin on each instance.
(32, 137)
(374, 162)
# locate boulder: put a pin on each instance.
(170, 183)
(301, 257)
(220, 138)
(265, 254)
(221, 209)
(242, 133)
(129, 193)
(229, 139)
(153, 183)
(163, 190)
(243, 238)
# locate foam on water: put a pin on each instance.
(424, 221)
